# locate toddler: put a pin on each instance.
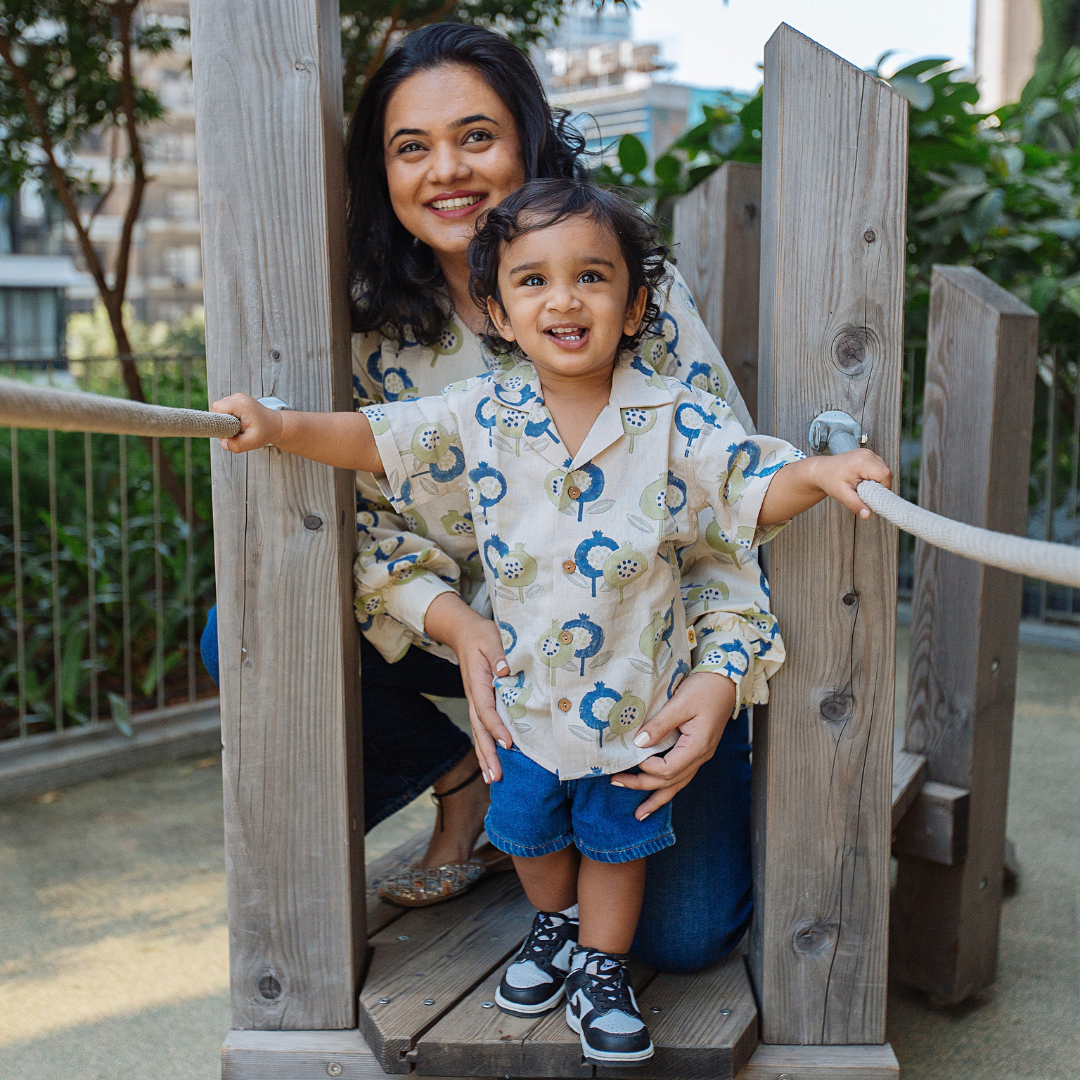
(586, 472)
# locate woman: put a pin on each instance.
(452, 123)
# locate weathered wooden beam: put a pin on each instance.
(831, 337)
(977, 418)
(717, 233)
(908, 775)
(271, 184)
(822, 1063)
(936, 825)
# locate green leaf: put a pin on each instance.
(1044, 291)
(120, 714)
(983, 216)
(667, 168)
(71, 666)
(724, 139)
(632, 155)
(1071, 298)
(920, 95)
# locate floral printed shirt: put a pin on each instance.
(406, 559)
(581, 553)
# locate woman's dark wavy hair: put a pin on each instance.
(539, 204)
(396, 283)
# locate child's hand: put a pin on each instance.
(258, 424)
(802, 484)
(839, 476)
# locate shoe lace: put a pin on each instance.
(545, 939)
(609, 986)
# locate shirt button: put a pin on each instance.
(564, 704)
(569, 566)
(566, 637)
(574, 492)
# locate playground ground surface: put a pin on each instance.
(113, 942)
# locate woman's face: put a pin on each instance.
(452, 151)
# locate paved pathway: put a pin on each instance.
(113, 942)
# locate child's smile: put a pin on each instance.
(565, 298)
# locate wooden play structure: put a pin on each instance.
(798, 269)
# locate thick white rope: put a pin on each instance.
(1059, 563)
(23, 405)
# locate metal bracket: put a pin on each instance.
(836, 432)
(274, 403)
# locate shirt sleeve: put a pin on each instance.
(689, 353)
(420, 448)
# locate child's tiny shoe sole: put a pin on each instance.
(527, 1010)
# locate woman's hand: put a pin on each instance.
(477, 644)
(700, 708)
(259, 425)
(802, 484)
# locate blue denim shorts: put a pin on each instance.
(534, 813)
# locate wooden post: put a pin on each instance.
(718, 248)
(831, 337)
(965, 623)
(271, 182)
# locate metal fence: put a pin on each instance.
(106, 558)
(1053, 513)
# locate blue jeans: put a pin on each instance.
(697, 893)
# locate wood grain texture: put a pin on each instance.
(977, 419)
(269, 127)
(936, 825)
(717, 234)
(703, 1025)
(437, 954)
(831, 334)
(822, 1063)
(297, 1055)
(908, 774)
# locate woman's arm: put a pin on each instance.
(344, 440)
(802, 484)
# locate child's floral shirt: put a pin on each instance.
(407, 559)
(582, 555)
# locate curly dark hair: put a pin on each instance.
(539, 204)
(396, 285)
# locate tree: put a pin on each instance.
(1061, 30)
(69, 70)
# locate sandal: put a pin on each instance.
(421, 886)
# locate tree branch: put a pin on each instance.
(380, 52)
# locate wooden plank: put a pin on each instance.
(271, 175)
(717, 234)
(478, 1040)
(977, 418)
(936, 825)
(380, 914)
(437, 954)
(831, 337)
(703, 1025)
(822, 1063)
(908, 774)
(298, 1055)
(58, 759)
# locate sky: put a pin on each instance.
(717, 45)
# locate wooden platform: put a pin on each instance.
(426, 1005)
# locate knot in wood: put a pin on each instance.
(850, 347)
(269, 987)
(850, 598)
(750, 211)
(812, 939)
(312, 522)
(836, 707)
(869, 236)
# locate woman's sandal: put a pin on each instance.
(421, 886)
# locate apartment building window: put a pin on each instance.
(182, 264)
(31, 324)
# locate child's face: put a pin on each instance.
(564, 297)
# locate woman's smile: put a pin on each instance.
(457, 204)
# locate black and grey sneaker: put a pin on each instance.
(533, 983)
(602, 1009)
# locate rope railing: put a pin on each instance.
(23, 405)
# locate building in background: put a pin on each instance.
(1007, 38)
(613, 85)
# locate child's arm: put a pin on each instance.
(802, 484)
(341, 439)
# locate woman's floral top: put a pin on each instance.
(581, 553)
(408, 558)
